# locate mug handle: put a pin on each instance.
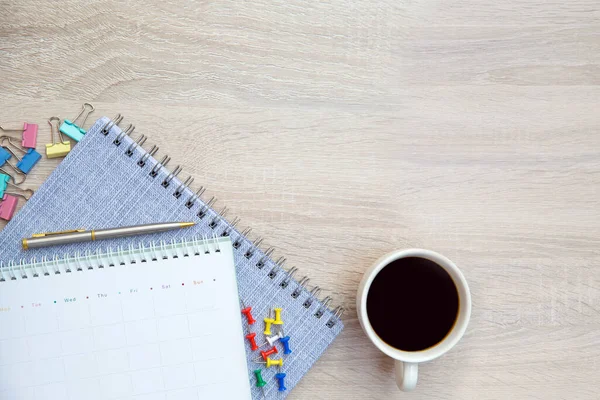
(407, 375)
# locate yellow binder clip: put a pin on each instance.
(55, 150)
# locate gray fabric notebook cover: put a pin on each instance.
(98, 185)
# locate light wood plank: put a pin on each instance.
(343, 130)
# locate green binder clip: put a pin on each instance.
(71, 129)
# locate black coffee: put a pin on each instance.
(412, 304)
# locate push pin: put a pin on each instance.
(271, 363)
(247, 311)
(281, 381)
(252, 339)
(278, 321)
(272, 339)
(71, 129)
(285, 341)
(268, 322)
(265, 354)
(55, 150)
(260, 382)
(27, 161)
(28, 135)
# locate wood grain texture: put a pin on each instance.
(342, 130)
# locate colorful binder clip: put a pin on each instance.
(28, 135)
(71, 129)
(27, 161)
(281, 381)
(247, 311)
(8, 205)
(5, 183)
(252, 339)
(55, 150)
(260, 382)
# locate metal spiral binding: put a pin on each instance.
(109, 258)
(238, 238)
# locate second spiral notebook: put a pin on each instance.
(109, 180)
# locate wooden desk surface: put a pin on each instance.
(342, 130)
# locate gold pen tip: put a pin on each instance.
(25, 245)
(186, 224)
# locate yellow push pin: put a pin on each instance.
(55, 150)
(278, 320)
(272, 363)
(268, 322)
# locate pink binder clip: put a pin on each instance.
(29, 135)
(8, 205)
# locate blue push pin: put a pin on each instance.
(285, 341)
(281, 379)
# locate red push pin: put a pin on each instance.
(265, 354)
(247, 311)
(251, 338)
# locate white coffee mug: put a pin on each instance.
(407, 362)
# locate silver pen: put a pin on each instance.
(79, 235)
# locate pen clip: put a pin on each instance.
(36, 235)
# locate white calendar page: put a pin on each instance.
(154, 330)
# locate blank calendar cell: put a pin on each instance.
(183, 394)
(179, 376)
(112, 361)
(51, 391)
(201, 297)
(115, 386)
(21, 394)
(39, 321)
(109, 337)
(137, 306)
(74, 316)
(106, 311)
(174, 327)
(47, 371)
(12, 324)
(80, 366)
(44, 346)
(203, 323)
(146, 356)
(13, 351)
(169, 301)
(205, 349)
(176, 351)
(147, 381)
(211, 372)
(141, 332)
(76, 341)
(88, 389)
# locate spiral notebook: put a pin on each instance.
(139, 323)
(110, 180)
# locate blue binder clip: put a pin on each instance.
(71, 129)
(27, 161)
(4, 155)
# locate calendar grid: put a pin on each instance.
(118, 355)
